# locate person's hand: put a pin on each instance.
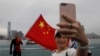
(73, 29)
(10, 53)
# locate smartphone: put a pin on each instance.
(67, 9)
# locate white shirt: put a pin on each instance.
(69, 51)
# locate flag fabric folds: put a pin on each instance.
(42, 33)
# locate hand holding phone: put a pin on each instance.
(68, 9)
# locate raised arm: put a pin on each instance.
(11, 47)
(74, 30)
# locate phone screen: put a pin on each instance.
(67, 9)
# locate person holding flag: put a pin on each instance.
(42, 33)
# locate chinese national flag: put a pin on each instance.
(42, 33)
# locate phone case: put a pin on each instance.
(67, 9)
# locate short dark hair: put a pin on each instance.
(57, 35)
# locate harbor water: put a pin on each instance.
(37, 50)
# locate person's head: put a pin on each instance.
(16, 35)
(61, 41)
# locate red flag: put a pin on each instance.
(42, 33)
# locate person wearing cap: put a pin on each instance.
(71, 29)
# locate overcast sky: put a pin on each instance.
(23, 13)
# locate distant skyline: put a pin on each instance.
(23, 13)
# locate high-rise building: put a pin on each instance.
(9, 30)
(13, 33)
(20, 34)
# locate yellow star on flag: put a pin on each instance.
(41, 24)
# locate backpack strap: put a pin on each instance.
(54, 51)
(66, 54)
